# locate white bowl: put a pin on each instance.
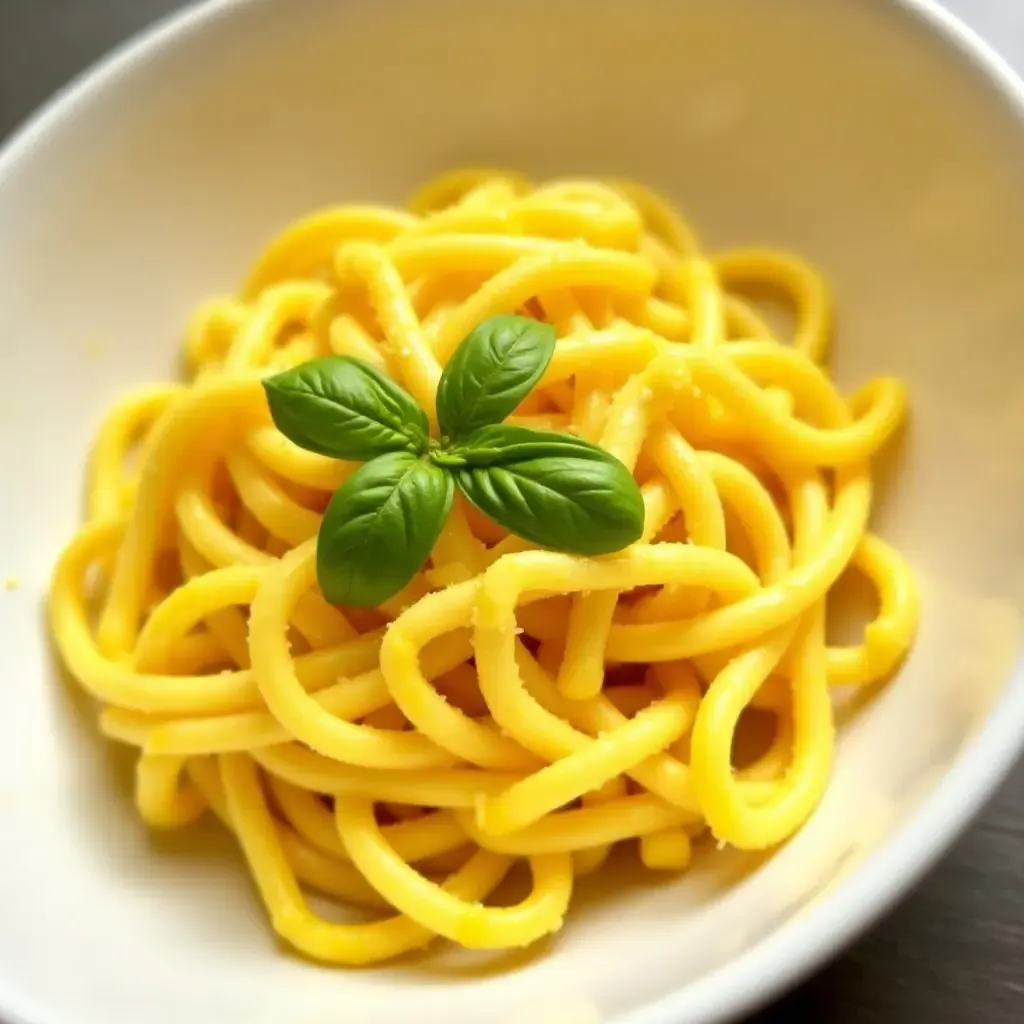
(881, 140)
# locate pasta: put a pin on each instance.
(511, 705)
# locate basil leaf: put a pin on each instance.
(491, 372)
(380, 527)
(506, 442)
(575, 498)
(345, 408)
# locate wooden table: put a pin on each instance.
(954, 950)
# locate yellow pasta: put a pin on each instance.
(511, 705)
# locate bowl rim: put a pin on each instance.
(784, 957)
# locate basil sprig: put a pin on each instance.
(553, 489)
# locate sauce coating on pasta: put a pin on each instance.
(510, 704)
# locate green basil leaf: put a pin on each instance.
(345, 408)
(380, 527)
(506, 442)
(491, 372)
(575, 498)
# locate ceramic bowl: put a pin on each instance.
(879, 139)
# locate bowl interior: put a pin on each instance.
(850, 133)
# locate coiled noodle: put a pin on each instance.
(511, 704)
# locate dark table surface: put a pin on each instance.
(953, 951)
